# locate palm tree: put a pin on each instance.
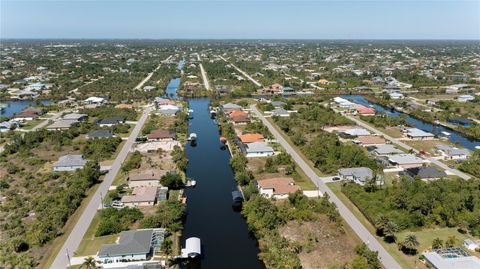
(451, 241)
(389, 231)
(381, 223)
(410, 243)
(437, 243)
(89, 263)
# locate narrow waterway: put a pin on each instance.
(455, 137)
(172, 87)
(15, 107)
(226, 241)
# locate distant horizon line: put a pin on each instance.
(260, 39)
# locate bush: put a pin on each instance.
(172, 181)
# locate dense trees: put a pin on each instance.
(172, 181)
(169, 215)
(114, 220)
(411, 204)
(472, 165)
(100, 149)
(133, 162)
(382, 120)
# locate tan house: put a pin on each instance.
(277, 188)
(141, 196)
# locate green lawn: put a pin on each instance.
(426, 236)
(91, 244)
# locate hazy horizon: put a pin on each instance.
(241, 20)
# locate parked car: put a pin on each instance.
(335, 178)
(117, 204)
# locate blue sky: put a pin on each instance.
(357, 19)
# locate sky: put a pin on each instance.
(241, 19)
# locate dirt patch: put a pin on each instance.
(324, 244)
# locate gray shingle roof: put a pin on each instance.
(70, 160)
(360, 173)
(130, 242)
(425, 172)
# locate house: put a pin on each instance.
(99, 134)
(163, 101)
(465, 98)
(134, 245)
(323, 82)
(462, 121)
(251, 138)
(161, 135)
(450, 258)
(28, 114)
(354, 132)
(75, 117)
(238, 117)
(396, 95)
(452, 153)
(7, 126)
(405, 160)
(257, 149)
(108, 122)
(141, 196)
(369, 140)
(227, 108)
(280, 112)
(168, 110)
(277, 188)
(365, 111)
(146, 179)
(274, 88)
(387, 149)
(69, 163)
(424, 173)
(61, 125)
(358, 175)
(94, 100)
(471, 245)
(417, 134)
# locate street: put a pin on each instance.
(204, 74)
(387, 260)
(243, 73)
(76, 236)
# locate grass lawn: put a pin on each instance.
(91, 244)
(427, 145)
(426, 236)
(303, 181)
(31, 124)
(67, 229)
(391, 131)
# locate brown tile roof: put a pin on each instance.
(141, 194)
(250, 138)
(279, 185)
(238, 113)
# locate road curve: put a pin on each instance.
(387, 260)
(75, 237)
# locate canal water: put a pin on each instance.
(226, 241)
(15, 107)
(455, 137)
(172, 87)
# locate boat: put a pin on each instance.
(3, 106)
(446, 133)
(193, 248)
(213, 113)
(191, 182)
(192, 137)
(190, 111)
(477, 147)
(223, 139)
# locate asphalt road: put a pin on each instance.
(74, 238)
(387, 260)
(401, 144)
(243, 73)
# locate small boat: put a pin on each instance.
(446, 133)
(477, 147)
(223, 139)
(192, 137)
(190, 111)
(213, 113)
(191, 182)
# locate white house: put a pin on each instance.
(471, 245)
(257, 149)
(94, 100)
(465, 98)
(277, 188)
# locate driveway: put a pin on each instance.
(387, 260)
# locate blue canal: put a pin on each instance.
(14, 107)
(455, 137)
(226, 240)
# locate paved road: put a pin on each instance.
(147, 78)
(74, 238)
(387, 260)
(401, 144)
(243, 73)
(45, 122)
(206, 83)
